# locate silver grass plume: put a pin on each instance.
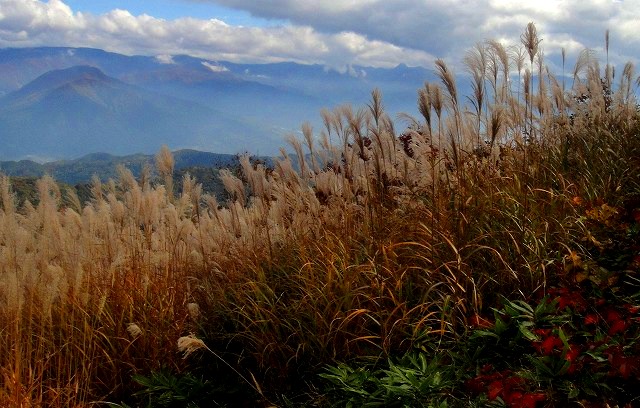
(134, 330)
(531, 41)
(449, 82)
(190, 344)
(424, 105)
(165, 165)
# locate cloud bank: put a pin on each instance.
(336, 33)
(53, 23)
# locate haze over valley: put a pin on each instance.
(63, 103)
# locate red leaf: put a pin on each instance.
(612, 316)
(625, 369)
(591, 319)
(631, 309)
(513, 399)
(495, 389)
(573, 353)
(547, 346)
(542, 332)
(617, 327)
(530, 400)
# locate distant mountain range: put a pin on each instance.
(62, 103)
(104, 165)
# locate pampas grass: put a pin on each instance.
(371, 244)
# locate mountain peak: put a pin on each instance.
(59, 78)
(76, 73)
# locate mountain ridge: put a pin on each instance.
(104, 165)
(182, 101)
(74, 111)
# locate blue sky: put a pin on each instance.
(335, 33)
(172, 9)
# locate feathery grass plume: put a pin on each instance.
(542, 97)
(493, 70)
(438, 105)
(498, 53)
(190, 344)
(424, 105)
(71, 199)
(165, 165)
(559, 103)
(447, 78)
(563, 53)
(234, 186)
(134, 330)
(518, 54)
(436, 98)
(582, 64)
(194, 310)
(48, 192)
(297, 147)
(608, 70)
(338, 124)
(531, 41)
(476, 63)
(376, 107)
(187, 345)
(97, 194)
(327, 120)
(412, 122)
(191, 190)
(145, 177)
(626, 82)
(326, 139)
(356, 144)
(527, 82)
(497, 117)
(7, 196)
(307, 134)
(255, 175)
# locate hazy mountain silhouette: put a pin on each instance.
(66, 102)
(79, 110)
(105, 165)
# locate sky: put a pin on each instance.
(334, 33)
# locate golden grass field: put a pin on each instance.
(371, 242)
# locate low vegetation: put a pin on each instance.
(486, 255)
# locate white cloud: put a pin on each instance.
(36, 23)
(445, 28)
(165, 59)
(336, 33)
(215, 67)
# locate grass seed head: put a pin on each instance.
(189, 344)
(134, 330)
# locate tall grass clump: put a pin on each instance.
(367, 244)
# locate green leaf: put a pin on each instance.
(565, 341)
(500, 326)
(484, 333)
(526, 333)
(573, 390)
